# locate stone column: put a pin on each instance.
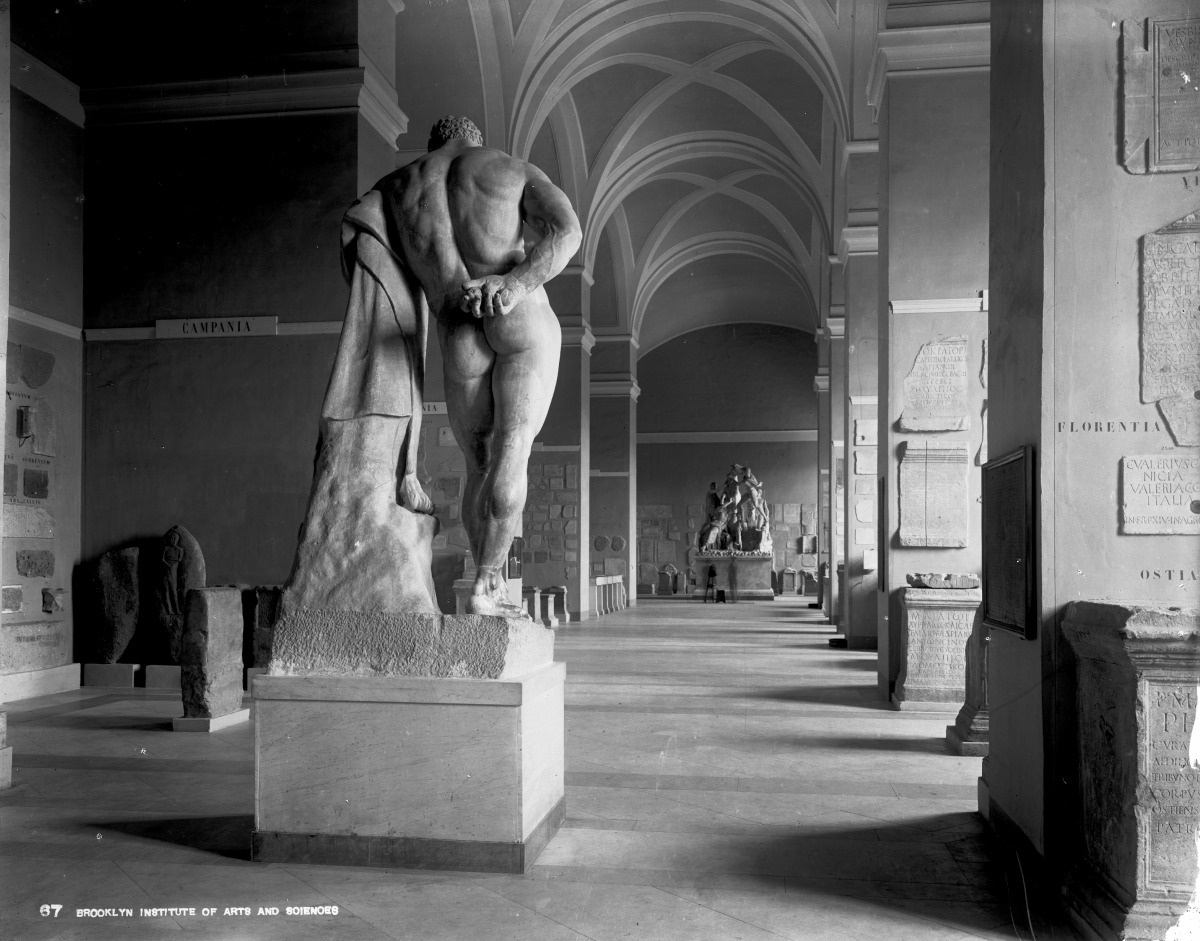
(1137, 814)
(612, 549)
(5, 241)
(933, 646)
(824, 485)
(557, 511)
(860, 247)
(933, 325)
(836, 333)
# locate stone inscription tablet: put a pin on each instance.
(933, 495)
(1174, 793)
(1160, 493)
(1170, 325)
(935, 391)
(1162, 107)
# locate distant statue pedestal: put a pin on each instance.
(742, 577)
(414, 741)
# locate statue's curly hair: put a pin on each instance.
(451, 127)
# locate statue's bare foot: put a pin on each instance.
(495, 607)
(412, 496)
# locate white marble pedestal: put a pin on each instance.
(742, 577)
(412, 772)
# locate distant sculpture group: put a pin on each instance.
(738, 520)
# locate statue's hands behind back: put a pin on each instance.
(492, 296)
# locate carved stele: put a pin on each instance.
(1170, 324)
(1138, 790)
(935, 391)
(933, 646)
(933, 495)
(1162, 107)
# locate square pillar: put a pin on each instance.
(557, 522)
(612, 549)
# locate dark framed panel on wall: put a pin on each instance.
(1009, 549)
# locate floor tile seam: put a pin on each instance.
(758, 873)
(104, 763)
(717, 911)
(717, 713)
(486, 888)
(735, 784)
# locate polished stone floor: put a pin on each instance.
(729, 776)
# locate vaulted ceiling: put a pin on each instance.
(697, 139)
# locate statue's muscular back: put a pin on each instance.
(456, 215)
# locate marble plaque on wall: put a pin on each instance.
(935, 390)
(1160, 493)
(866, 462)
(1162, 108)
(1170, 326)
(933, 495)
(866, 431)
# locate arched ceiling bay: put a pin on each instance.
(696, 139)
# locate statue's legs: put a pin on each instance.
(500, 377)
(468, 363)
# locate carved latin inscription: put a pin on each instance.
(1162, 105)
(1160, 494)
(935, 391)
(1171, 324)
(1174, 799)
(933, 495)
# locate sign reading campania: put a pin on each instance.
(1162, 105)
(204, 328)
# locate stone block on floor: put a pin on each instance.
(1138, 671)
(933, 647)
(211, 653)
(162, 676)
(419, 772)
(210, 724)
(110, 674)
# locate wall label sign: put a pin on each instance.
(205, 328)
(1107, 427)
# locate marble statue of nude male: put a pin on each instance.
(482, 232)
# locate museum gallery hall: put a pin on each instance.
(596, 469)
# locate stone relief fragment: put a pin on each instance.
(1159, 69)
(1170, 325)
(935, 390)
